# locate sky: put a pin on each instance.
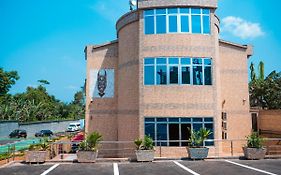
(45, 39)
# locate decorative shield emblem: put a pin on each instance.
(102, 81)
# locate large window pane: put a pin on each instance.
(161, 61)
(206, 24)
(197, 75)
(149, 24)
(184, 23)
(162, 133)
(150, 130)
(160, 11)
(185, 75)
(149, 61)
(197, 126)
(185, 61)
(196, 23)
(195, 10)
(161, 24)
(208, 75)
(149, 75)
(173, 25)
(161, 74)
(173, 61)
(174, 75)
(211, 136)
(172, 10)
(148, 12)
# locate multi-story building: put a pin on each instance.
(168, 73)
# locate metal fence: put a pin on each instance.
(126, 149)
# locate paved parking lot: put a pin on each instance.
(209, 167)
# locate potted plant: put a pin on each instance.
(88, 149)
(37, 153)
(145, 151)
(254, 149)
(196, 150)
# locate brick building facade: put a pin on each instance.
(166, 74)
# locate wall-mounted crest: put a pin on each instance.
(101, 80)
(101, 83)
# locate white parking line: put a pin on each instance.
(50, 169)
(185, 168)
(255, 169)
(115, 169)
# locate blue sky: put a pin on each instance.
(45, 39)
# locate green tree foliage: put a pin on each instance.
(7, 79)
(265, 92)
(35, 104)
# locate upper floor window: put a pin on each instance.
(163, 71)
(177, 20)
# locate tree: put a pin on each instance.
(265, 92)
(7, 79)
(43, 82)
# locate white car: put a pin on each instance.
(72, 127)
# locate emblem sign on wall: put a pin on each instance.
(101, 83)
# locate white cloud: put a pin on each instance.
(241, 28)
(72, 87)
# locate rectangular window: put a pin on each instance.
(161, 74)
(196, 23)
(208, 75)
(173, 24)
(149, 75)
(174, 74)
(161, 134)
(149, 24)
(160, 24)
(184, 23)
(185, 74)
(175, 131)
(206, 24)
(150, 130)
(197, 75)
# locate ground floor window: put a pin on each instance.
(176, 131)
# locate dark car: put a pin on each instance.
(18, 133)
(44, 133)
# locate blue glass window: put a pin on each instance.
(206, 11)
(206, 24)
(161, 119)
(185, 75)
(148, 12)
(174, 75)
(196, 23)
(188, 120)
(173, 24)
(184, 23)
(209, 119)
(161, 61)
(149, 75)
(162, 133)
(197, 61)
(172, 10)
(197, 126)
(197, 75)
(160, 11)
(185, 61)
(208, 75)
(173, 61)
(207, 61)
(149, 25)
(149, 61)
(195, 10)
(184, 10)
(160, 24)
(150, 130)
(161, 75)
(149, 119)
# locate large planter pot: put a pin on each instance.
(254, 153)
(145, 155)
(198, 153)
(87, 156)
(35, 156)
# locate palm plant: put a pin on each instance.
(91, 143)
(198, 137)
(254, 141)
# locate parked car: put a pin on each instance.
(44, 133)
(18, 133)
(76, 141)
(72, 127)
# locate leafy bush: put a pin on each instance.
(198, 137)
(145, 144)
(91, 143)
(254, 141)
